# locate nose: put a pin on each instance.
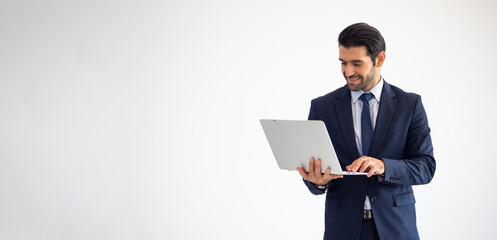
(349, 71)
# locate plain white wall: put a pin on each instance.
(139, 119)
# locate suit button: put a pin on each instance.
(373, 199)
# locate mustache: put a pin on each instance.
(353, 76)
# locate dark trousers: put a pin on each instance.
(368, 230)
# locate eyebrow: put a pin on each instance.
(356, 61)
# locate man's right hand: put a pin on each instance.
(315, 176)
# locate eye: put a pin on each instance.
(357, 64)
(343, 63)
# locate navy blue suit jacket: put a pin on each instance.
(401, 139)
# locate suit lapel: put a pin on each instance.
(385, 113)
(344, 112)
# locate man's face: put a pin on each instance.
(357, 68)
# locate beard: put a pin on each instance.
(364, 81)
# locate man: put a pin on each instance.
(376, 128)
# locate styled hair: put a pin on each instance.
(362, 34)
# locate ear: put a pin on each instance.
(380, 59)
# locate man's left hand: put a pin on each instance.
(370, 164)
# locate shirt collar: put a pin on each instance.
(376, 91)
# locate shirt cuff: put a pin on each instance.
(320, 187)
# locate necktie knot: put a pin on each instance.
(366, 97)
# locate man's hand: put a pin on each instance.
(369, 164)
(315, 176)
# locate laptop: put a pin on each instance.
(294, 142)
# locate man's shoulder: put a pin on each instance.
(389, 88)
(337, 93)
(399, 93)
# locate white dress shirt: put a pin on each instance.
(374, 104)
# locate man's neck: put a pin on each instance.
(375, 81)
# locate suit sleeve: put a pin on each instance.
(418, 167)
(313, 115)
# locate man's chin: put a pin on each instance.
(353, 87)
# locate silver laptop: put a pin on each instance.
(294, 142)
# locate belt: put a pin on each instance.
(368, 214)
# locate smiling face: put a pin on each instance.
(358, 69)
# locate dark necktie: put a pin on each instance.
(366, 124)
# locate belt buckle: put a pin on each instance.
(368, 214)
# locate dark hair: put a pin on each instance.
(362, 34)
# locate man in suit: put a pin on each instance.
(376, 128)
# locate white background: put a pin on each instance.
(139, 119)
